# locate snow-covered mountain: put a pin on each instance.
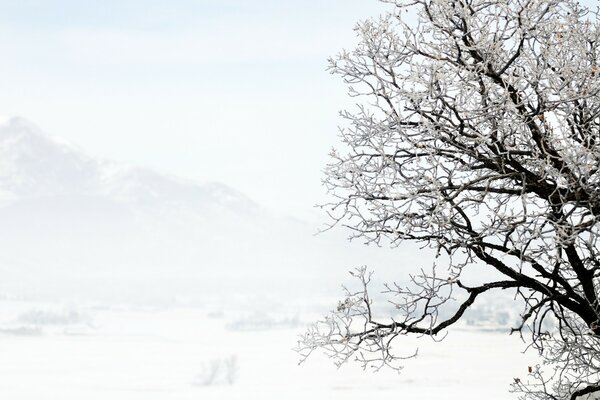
(33, 164)
(70, 222)
(65, 215)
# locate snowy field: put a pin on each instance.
(53, 351)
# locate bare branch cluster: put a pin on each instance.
(477, 134)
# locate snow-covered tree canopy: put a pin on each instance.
(478, 134)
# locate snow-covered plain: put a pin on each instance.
(197, 353)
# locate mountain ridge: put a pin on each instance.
(69, 221)
(33, 164)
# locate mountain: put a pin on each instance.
(35, 165)
(74, 225)
(65, 215)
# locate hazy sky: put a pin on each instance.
(228, 90)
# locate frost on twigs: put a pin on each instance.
(571, 366)
(476, 134)
(350, 332)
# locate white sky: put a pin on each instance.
(227, 90)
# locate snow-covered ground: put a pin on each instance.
(52, 351)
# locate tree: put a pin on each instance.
(477, 134)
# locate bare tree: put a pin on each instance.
(478, 136)
(218, 371)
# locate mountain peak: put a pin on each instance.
(33, 165)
